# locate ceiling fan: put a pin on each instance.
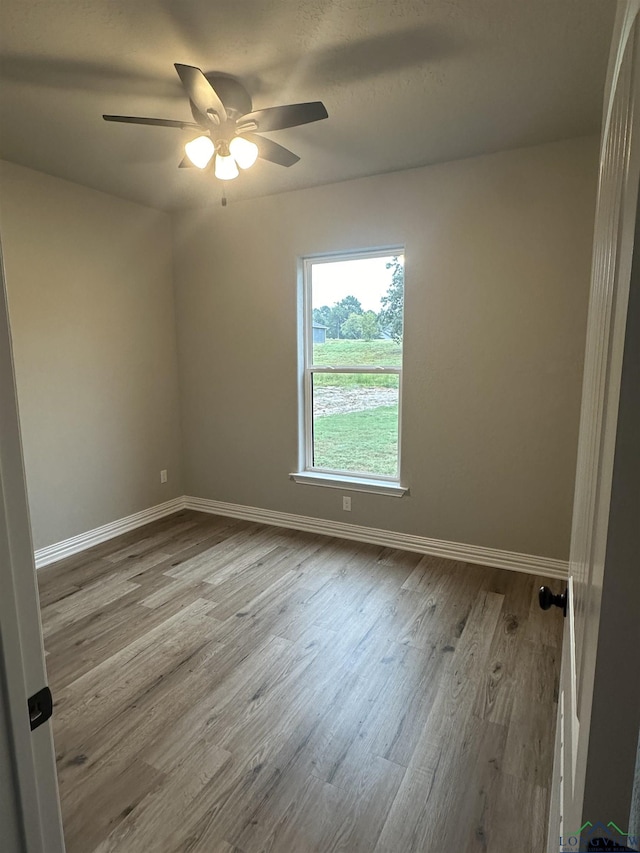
(228, 127)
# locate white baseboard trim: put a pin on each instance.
(59, 550)
(528, 563)
(546, 566)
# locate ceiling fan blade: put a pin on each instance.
(157, 122)
(201, 92)
(279, 118)
(269, 150)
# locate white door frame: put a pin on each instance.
(32, 777)
(606, 326)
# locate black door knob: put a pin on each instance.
(548, 599)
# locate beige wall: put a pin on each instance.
(497, 275)
(497, 269)
(89, 278)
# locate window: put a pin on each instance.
(352, 342)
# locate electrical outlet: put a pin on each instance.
(346, 503)
(163, 475)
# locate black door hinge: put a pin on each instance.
(40, 707)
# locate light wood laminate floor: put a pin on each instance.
(225, 686)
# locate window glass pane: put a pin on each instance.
(347, 353)
(357, 311)
(355, 422)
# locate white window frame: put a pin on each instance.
(310, 474)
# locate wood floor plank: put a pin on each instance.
(247, 586)
(365, 805)
(429, 572)
(173, 804)
(494, 701)
(154, 542)
(199, 720)
(84, 602)
(101, 761)
(529, 753)
(84, 643)
(268, 704)
(503, 829)
(118, 797)
(434, 765)
(56, 583)
(325, 818)
(319, 567)
(228, 687)
(399, 720)
(332, 747)
(308, 824)
(97, 696)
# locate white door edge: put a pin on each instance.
(22, 667)
(612, 259)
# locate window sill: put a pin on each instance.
(354, 484)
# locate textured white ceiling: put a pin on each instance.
(406, 83)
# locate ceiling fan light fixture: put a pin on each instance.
(244, 152)
(225, 118)
(226, 169)
(200, 151)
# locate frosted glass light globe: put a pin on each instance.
(244, 152)
(200, 151)
(226, 168)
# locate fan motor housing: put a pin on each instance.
(234, 96)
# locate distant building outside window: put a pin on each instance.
(319, 334)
